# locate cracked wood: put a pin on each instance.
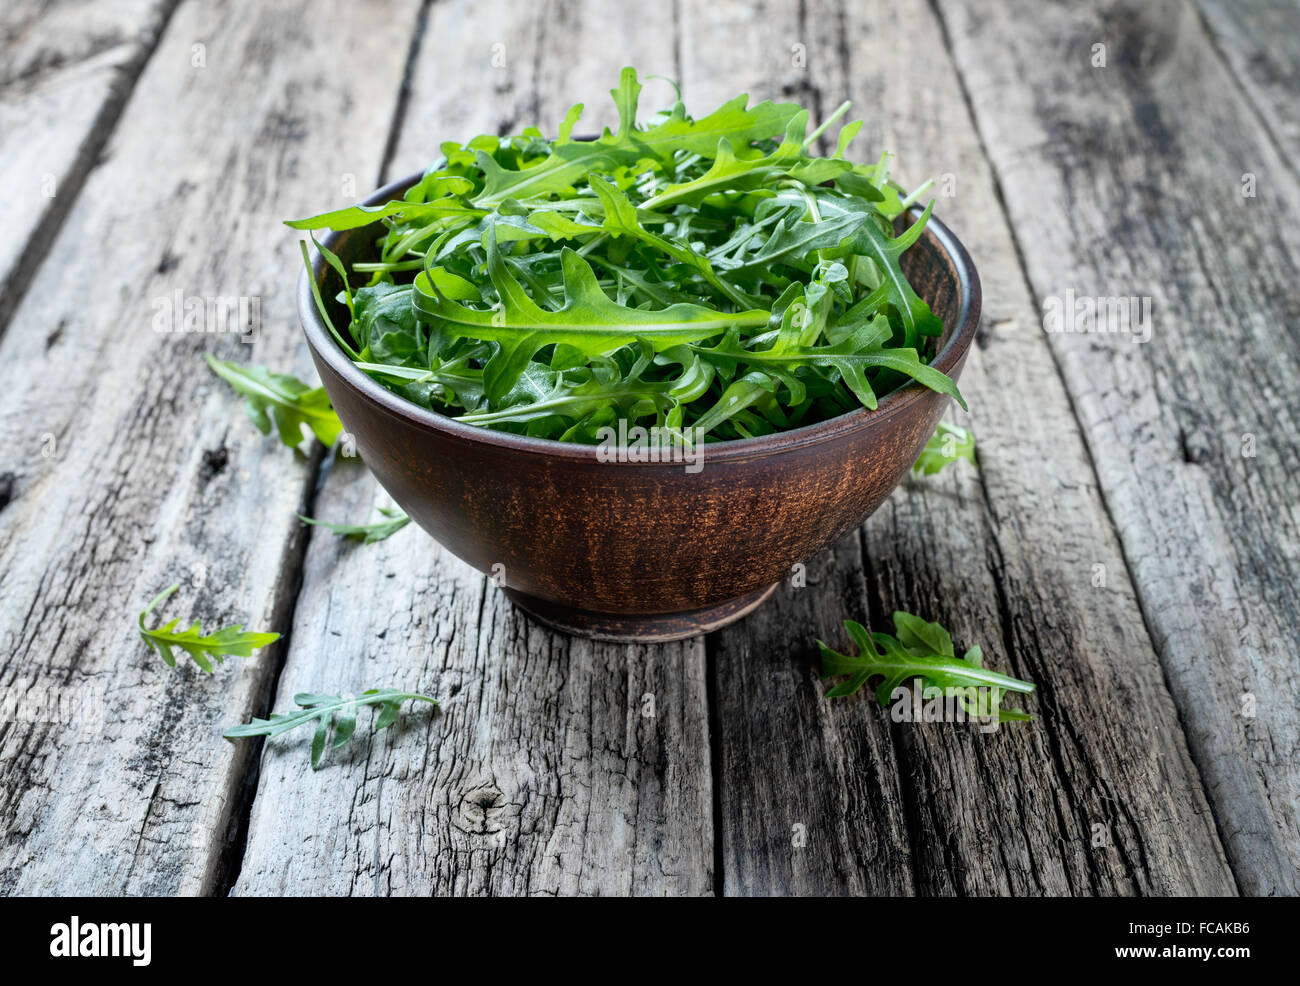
(1013, 546)
(1125, 180)
(132, 468)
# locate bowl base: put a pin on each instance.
(642, 628)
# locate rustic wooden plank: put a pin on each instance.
(806, 806)
(545, 772)
(1125, 180)
(525, 67)
(556, 766)
(1261, 42)
(66, 70)
(127, 467)
(1005, 557)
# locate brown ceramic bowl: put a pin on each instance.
(641, 551)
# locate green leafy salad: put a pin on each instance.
(705, 279)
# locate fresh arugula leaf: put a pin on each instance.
(394, 520)
(570, 160)
(521, 282)
(924, 650)
(324, 711)
(589, 320)
(380, 308)
(363, 215)
(852, 356)
(948, 444)
(732, 172)
(871, 242)
(281, 399)
(796, 238)
(227, 642)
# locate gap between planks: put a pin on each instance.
(231, 860)
(1129, 572)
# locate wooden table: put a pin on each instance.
(1129, 540)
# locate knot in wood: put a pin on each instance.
(483, 810)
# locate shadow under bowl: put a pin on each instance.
(640, 551)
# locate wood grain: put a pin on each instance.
(1115, 545)
(127, 467)
(66, 70)
(557, 766)
(1013, 546)
(1125, 180)
(1260, 40)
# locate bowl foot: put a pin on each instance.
(638, 628)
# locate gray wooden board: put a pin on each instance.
(130, 467)
(556, 766)
(1125, 181)
(1005, 557)
(65, 71)
(1260, 40)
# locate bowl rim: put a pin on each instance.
(895, 402)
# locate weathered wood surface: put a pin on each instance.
(68, 68)
(150, 475)
(1004, 556)
(1127, 180)
(557, 766)
(1261, 42)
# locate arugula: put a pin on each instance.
(948, 444)
(227, 642)
(710, 274)
(394, 520)
(324, 711)
(281, 399)
(919, 649)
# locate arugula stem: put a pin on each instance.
(320, 304)
(839, 112)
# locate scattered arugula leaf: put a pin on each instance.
(919, 649)
(948, 444)
(394, 520)
(227, 642)
(339, 711)
(281, 399)
(710, 274)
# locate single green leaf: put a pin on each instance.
(355, 216)
(394, 520)
(920, 649)
(948, 444)
(324, 711)
(281, 399)
(227, 642)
